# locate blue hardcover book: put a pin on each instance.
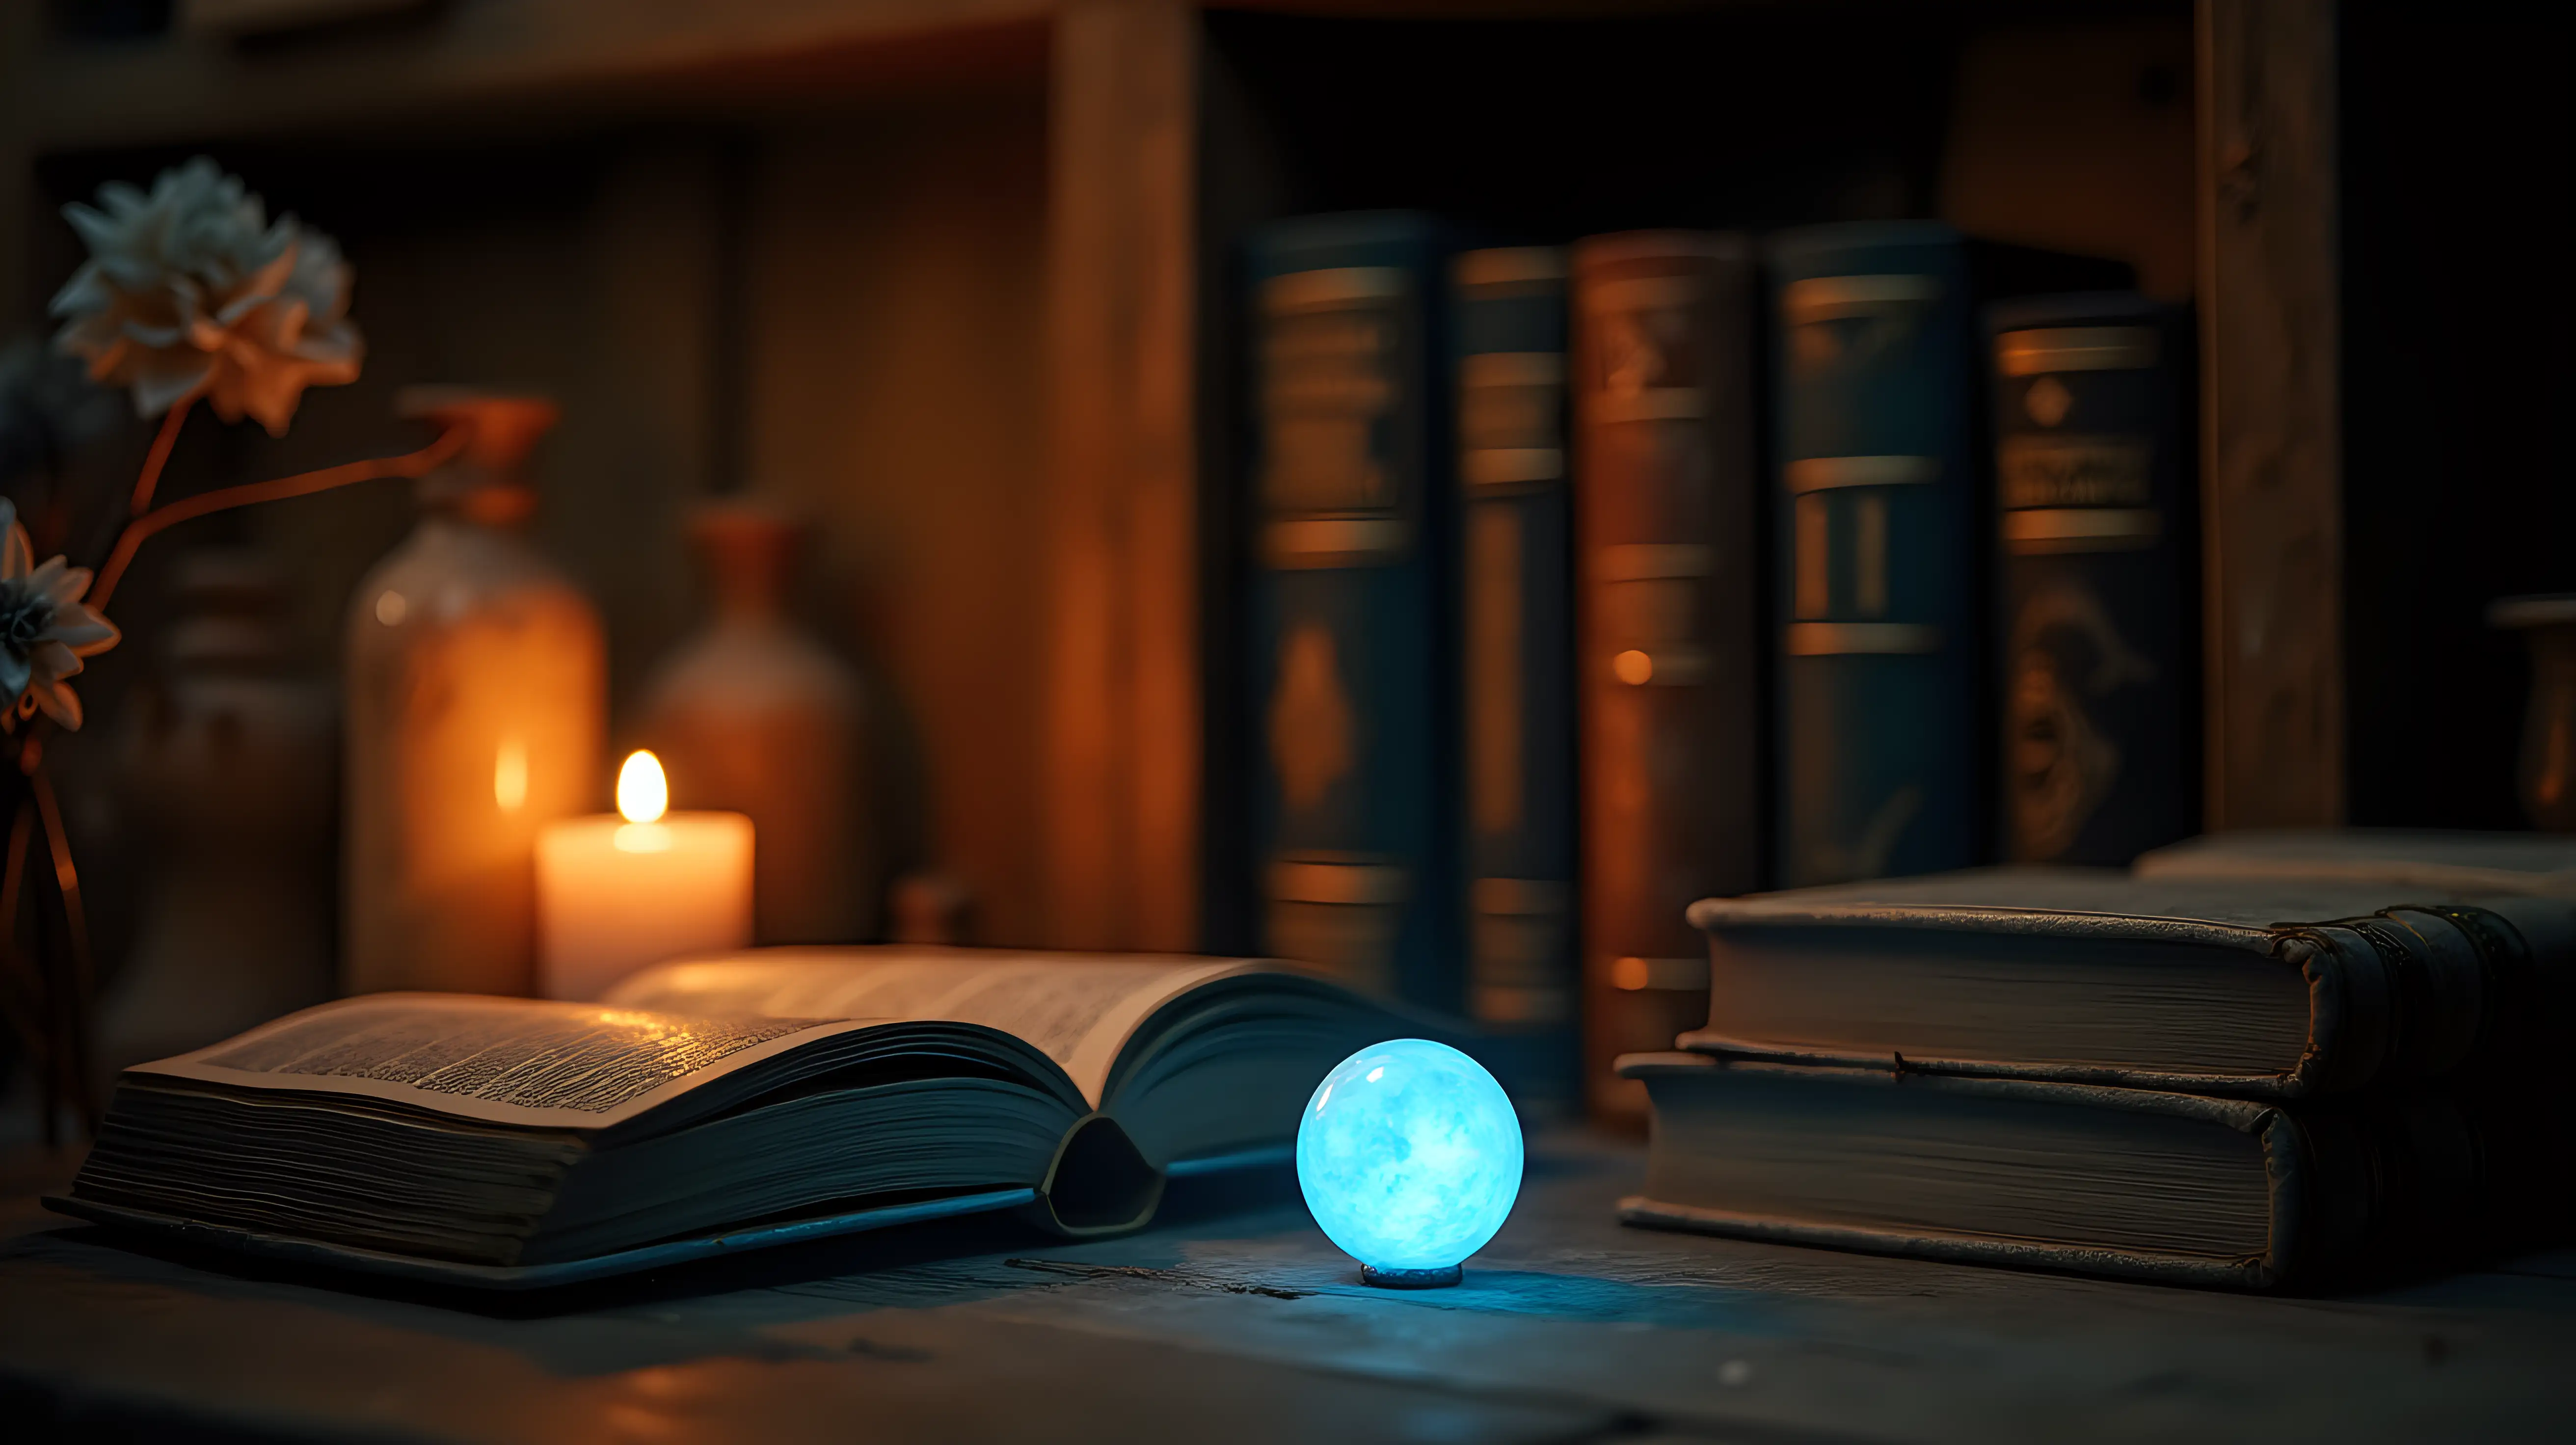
(2093, 568)
(1508, 329)
(1354, 707)
(1883, 753)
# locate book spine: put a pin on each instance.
(1352, 705)
(1516, 609)
(1665, 500)
(2093, 638)
(1880, 748)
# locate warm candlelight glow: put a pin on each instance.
(510, 775)
(642, 792)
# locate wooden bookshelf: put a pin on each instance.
(953, 275)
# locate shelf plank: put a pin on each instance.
(1124, 725)
(472, 55)
(2271, 429)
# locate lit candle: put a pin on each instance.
(616, 891)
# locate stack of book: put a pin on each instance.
(1559, 552)
(2251, 1060)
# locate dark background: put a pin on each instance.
(2457, 373)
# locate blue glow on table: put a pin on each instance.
(1409, 1155)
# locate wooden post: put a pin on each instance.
(20, 304)
(2271, 421)
(1123, 729)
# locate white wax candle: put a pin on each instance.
(616, 893)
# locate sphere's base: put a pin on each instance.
(1411, 1278)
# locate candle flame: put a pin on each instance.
(642, 792)
(510, 775)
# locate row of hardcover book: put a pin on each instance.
(1592, 581)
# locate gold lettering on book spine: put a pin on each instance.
(2074, 470)
(1312, 722)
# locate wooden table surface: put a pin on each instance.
(1234, 1320)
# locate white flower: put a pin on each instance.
(190, 290)
(45, 629)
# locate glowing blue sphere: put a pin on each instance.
(1409, 1156)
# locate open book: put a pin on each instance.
(714, 1105)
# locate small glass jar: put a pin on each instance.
(476, 673)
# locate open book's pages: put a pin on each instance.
(2267, 988)
(2412, 858)
(1201, 1061)
(513, 1133)
(2129, 1182)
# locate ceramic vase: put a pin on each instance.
(476, 680)
(224, 774)
(753, 714)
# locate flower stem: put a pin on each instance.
(73, 991)
(302, 484)
(27, 1003)
(159, 457)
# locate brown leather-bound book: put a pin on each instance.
(1665, 527)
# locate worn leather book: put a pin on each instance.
(716, 1106)
(1354, 699)
(1669, 669)
(2096, 636)
(2526, 878)
(1884, 751)
(2184, 1188)
(2260, 989)
(1516, 615)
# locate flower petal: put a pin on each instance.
(270, 280)
(162, 379)
(86, 291)
(133, 273)
(60, 581)
(53, 662)
(84, 630)
(334, 344)
(17, 559)
(107, 363)
(61, 704)
(98, 230)
(15, 673)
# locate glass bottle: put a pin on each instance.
(477, 692)
(753, 714)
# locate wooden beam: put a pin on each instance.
(466, 59)
(1123, 736)
(2271, 421)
